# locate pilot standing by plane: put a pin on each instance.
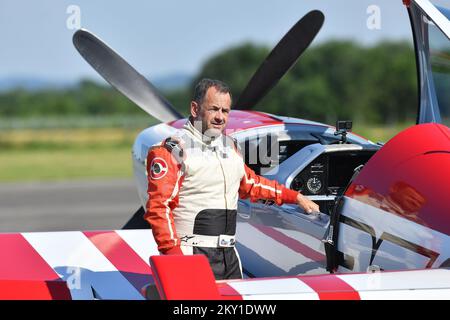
(195, 179)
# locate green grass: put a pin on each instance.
(380, 133)
(71, 122)
(84, 138)
(78, 153)
(62, 154)
(64, 164)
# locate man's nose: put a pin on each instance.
(219, 116)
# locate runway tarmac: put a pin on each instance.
(69, 205)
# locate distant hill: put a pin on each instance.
(166, 82)
(172, 81)
(32, 84)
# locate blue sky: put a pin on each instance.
(164, 37)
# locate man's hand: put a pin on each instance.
(307, 204)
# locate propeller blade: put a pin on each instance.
(122, 76)
(281, 59)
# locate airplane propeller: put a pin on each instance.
(114, 69)
(280, 59)
(121, 75)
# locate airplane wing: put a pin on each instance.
(94, 264)
(174, 279)
(125, 264)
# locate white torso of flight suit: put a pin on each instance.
(212, 174)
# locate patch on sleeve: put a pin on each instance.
(175, 147)
(158, 168)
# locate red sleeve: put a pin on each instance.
(164, 175)
(256, 187)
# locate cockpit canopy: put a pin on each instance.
(431, 28)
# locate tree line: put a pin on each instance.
(333, 80)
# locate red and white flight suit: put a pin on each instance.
(193, 186)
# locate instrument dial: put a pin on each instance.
(297, 184)
(314, 185)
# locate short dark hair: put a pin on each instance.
(205, 84)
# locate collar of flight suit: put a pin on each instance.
(209, 142)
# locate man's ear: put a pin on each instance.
(195, 109)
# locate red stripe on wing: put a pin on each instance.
(330, 287)
(228, 292)
(291, 243)
(33, 290)
(123, 257)
(25, 275)
(20, 261)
